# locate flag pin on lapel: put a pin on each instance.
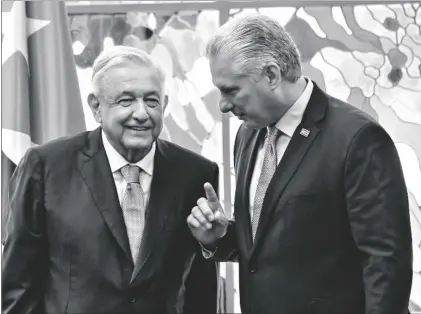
(305, 132)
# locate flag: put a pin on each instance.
(40, 91)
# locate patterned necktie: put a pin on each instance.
(268, 169)
(133, 208)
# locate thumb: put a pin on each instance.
(221, 218)
(211, 196)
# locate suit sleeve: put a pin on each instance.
(202, 286)
(202, 282)
(377, 204)
(226, 250)
(24, 255)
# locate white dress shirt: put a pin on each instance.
(287, 125)
(117, 162)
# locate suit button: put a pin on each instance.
(253, 270)
(133, 300)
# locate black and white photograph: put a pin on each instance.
(211, 156)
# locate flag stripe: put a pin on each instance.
(7, 168)
(41, 97)
(55, 102)
(15, 97)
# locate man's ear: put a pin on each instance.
(165, 102)
(273, 73)
(93, 102)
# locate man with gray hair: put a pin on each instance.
(97, 221)
(321, 209)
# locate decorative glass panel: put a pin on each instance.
(192, 118)
(369, 56)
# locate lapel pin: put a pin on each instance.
(305, 132)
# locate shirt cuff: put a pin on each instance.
(207, 253)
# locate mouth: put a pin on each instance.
(137, 128)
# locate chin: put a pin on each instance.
(252, 125)
(137, 143)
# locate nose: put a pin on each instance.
(139, 110)
(225, 106)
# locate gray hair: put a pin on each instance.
(120, 54)
(252, 41)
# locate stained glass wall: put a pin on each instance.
(176, 40)
(368, 55)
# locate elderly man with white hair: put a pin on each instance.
(97, 221)
(321, 208)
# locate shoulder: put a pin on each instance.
(346, 123)
(182, 156)
(52, 155)
(334, 112)
(354, 127)
(347, 116)
(60, 149)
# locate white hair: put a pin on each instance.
(118, 55)
(252, 41)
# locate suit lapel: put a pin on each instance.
(158, 206)
(247, 158)
(95, 170)
(297, 149)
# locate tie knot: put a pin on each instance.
(273, 134)
(131, 173)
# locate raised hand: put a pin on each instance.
(207, 220)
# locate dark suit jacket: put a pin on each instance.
(334, 234)
(66, 248)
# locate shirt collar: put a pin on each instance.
(292, 118)
(117, 161)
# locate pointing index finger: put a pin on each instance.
(211, 197)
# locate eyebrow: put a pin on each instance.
(152, 93)
(131, 94)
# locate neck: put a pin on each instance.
(293, 91)
(134, 155)
(289, 93)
